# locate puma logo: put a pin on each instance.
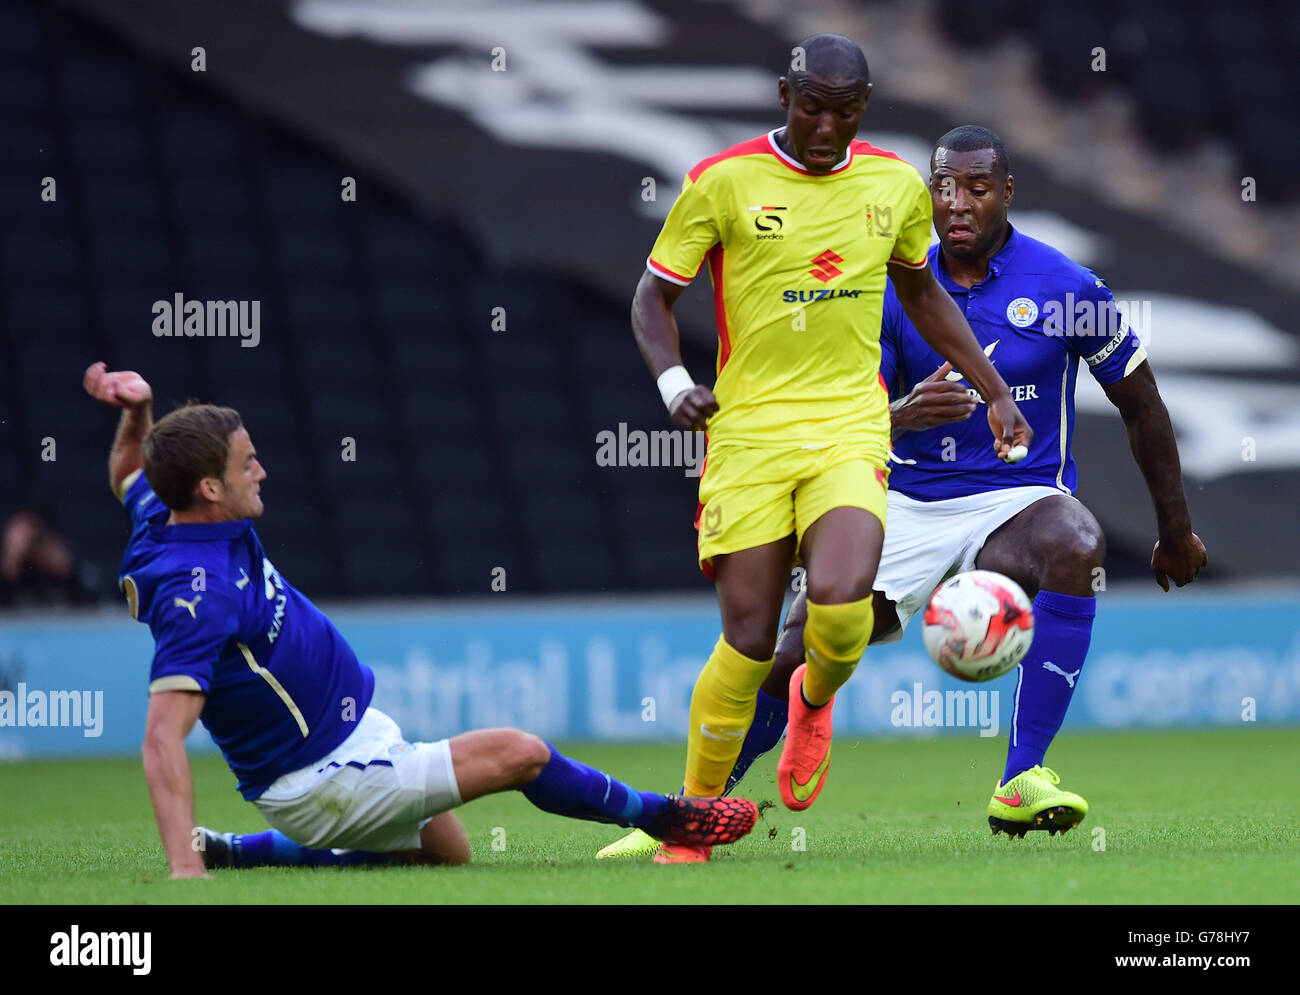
(955, 375)
(189, 606)
(244, 579)
(1069, 678)
(721, 735)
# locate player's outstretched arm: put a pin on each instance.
(941, 324)
(172, 715)
(130, 392)
(689, 404)
(1179, 553)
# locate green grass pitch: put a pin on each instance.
(1188, 817)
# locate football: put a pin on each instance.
(978, 625)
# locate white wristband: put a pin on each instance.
(672, 382)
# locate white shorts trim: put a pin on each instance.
(928, 541)
(374, 792)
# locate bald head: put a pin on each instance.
(833, 61)
(824, 96)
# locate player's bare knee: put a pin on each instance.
(525, 757)
(751, 633)
(838, 590)
(756, 646)
(1072, 552)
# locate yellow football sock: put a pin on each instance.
(834, 639)
(722, 707)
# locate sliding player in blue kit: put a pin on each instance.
(284, 696)
(954, 506)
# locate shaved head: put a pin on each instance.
(834, 61)
(824, 95)
(973, 138)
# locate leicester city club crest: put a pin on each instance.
(1022, 312)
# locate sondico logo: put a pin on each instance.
(768, 223)
(77, 949)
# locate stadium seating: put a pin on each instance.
(1194, 68)
(375, 326)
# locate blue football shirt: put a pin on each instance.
(283, 686)
(1038, 315)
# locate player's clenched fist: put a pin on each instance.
(692, 408)
(1178, 558)
(126, 389)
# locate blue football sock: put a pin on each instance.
(1048, 675)
(567, 787)
(274, 849)
(764, 733)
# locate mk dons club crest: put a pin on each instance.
(880, 220)
(712, 521)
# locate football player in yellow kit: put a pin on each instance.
(799, 228)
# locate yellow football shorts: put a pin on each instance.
(750, 497)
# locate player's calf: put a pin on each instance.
(1054, 548)
(570, 788)
(273, 848)
(789, 648)
(443, 841)
(834, 639)
(790, 644)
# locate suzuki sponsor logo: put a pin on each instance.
(808, 296)
(824, 267)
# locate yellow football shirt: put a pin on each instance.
(797, 261)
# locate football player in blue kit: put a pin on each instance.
(284, 696)
(953, 505)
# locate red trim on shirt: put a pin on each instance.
(925, 261)
(719, 307)
(866, 148)
(889, 414)
(706, 567)
(766, 145)
(752, 147)
(664, 271)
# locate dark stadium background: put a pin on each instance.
(476, 448)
